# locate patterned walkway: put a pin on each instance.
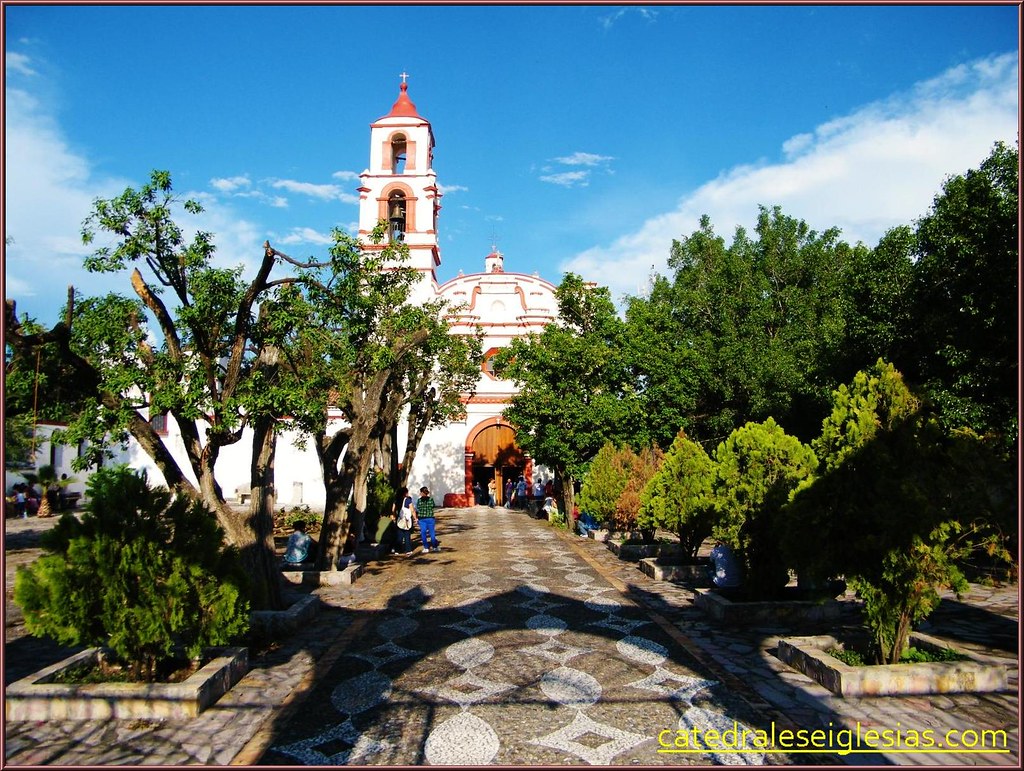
(505, 648)
(516, 644)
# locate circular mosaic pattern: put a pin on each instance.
(462, 740)
(469, 653)
(570, 687)
(642, 650)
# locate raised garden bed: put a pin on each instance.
(37, 697)
(976, 674)
(271, 624)
(728, 610)
(633, 550)
(670, 568)
(344, 577)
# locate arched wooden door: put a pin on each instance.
(495, 455)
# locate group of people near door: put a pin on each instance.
(516, 495)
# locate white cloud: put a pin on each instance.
(576, 177)
(231, 184)
(446, 189)
(568, 178)
(584, 159)
(876, 168)
(49, 190)
(306, 236)
(20, 63)
(313, 190)
(609, 21)
(347, 176)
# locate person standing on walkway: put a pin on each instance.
(404, 515)
(425, 515)
(509, 488)
(491, 489)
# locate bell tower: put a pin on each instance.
(400, 187)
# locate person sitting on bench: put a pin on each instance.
(297, 550)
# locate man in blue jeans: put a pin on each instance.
(425, 515)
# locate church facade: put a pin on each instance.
(400, 186)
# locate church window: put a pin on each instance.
(488, 363)
(399, 152)
(396, 216)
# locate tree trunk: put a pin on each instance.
(568, 497)
(263, 565)
(337, 488)
(240, 531)
(336, 525)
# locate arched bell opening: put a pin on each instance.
(399, 153)
(397, 216)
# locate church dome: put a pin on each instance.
(403, 106)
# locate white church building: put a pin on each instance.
(400, 186)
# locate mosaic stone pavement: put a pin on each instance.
(505, 648)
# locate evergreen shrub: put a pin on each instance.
(757, 468)
(603, 484)
(144, 573)
(678, 496)
(899, 503)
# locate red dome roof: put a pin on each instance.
(403, 106)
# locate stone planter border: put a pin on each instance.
(976, 675)
(276, 623)
(694, 574)
(726, 611)
(631, 552)
(37, 697)
(315, 578)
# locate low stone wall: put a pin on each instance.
(37, 697)
(315, 578)
(632, 552)
(271, 624)
(769, 612)
(661, 569)
(976, 675)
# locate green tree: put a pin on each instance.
(742, 332)
(757, 468)
(197, 372)
(879, 320)
(640, 467)
(142, 572)
(572, 383)
(966, 295)
(443, 376)
(364, 351)
(603, 483)
(898, 504)
(678, 497)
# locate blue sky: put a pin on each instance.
(577, 138)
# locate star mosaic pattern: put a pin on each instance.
(507, 648)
